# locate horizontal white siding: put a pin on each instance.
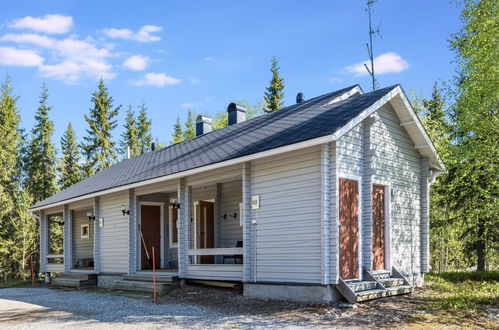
(397, 161)
(288, 229)
(349, 153)
(82, 247)
(114, 236)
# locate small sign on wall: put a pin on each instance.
(255, 202)
(101, 222)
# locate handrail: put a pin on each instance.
(215, 252)
(50, 256)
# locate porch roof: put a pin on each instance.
(314, 118)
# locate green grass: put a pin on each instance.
(18, 283)
(463, 291)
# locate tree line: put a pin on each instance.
(461, 117)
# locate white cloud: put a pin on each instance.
(196, 103)
(155, 79)
(208, 58)
(50, 24)
(333, 80)
(385, 63)
(19, 57)
(143, 35)
(136, 62)
(71, 59)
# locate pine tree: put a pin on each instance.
(99, 147)
(144, 129)
(178, 135)
(130, 136)
(69, 167)
(190, 126)
(41, 153)
(274, 95)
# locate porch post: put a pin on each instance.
(43, 241)
(334, 222)
(132, 233)
(248, 261)
(67, 238)
(368, 154)
(183, 227)
(325, 215)
(96, 235)
(425, 215)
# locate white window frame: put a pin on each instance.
(170, 227)
(83, 236)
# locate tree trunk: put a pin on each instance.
(480, 246)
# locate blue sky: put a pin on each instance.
(177, 55)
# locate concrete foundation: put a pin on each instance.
(107, 281)
(317, 294)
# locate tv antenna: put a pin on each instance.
(372, 32)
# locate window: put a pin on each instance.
(173, 227)
(85, 231)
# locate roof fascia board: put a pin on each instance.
(291, 147)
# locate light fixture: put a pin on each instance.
(124, 209)
(90, 216)
(174, 202)
(230, 215)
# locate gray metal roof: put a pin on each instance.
(299, 122)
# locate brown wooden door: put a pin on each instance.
(205, 229)
(378, 250)
(150, 225)
(349, 228)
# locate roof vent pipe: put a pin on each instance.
(153, 146)
(237, 113)
(203, 125)
(300, 97)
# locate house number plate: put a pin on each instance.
(255, 202)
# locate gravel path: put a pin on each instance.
(42, 308)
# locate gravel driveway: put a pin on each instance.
(43, 308)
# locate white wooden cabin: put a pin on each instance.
(322, 199)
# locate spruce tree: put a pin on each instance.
(41, 153)
(190, 126)
(472, 185)
(178, 135)
(274, 96)
(130, 136)
(69, 167)
(144, 129)
(99, 147)
(10, 137)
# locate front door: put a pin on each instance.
(349, 228)
(150, 231)
(205, 229)
(378, 227)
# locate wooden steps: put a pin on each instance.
(144, 283)
(375, 285)
(75, 280)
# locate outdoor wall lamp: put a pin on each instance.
(174, 202)
(90, 216)
(124, 209)
(230, 215)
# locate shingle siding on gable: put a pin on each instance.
(398, 162)
(288, 229)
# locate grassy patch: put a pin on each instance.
(18, 283)
(463, 291)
